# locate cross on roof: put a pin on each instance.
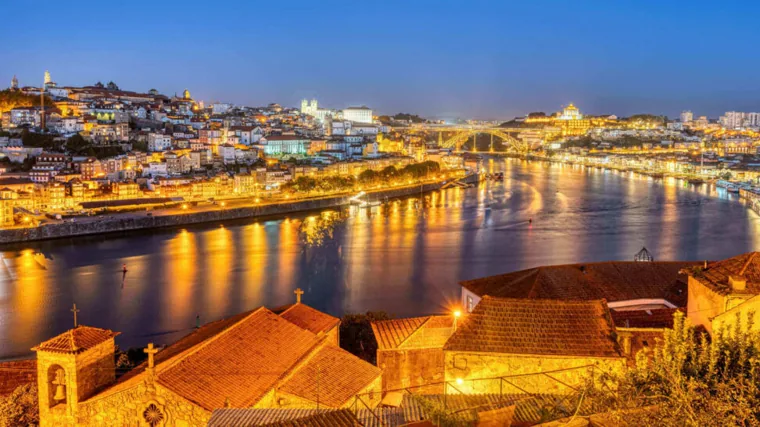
(298, 293)
(150, 351)
(75, 310)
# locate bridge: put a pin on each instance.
(463, 133)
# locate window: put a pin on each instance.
(469, 304)
(153, 415)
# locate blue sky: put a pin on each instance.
(481, 59)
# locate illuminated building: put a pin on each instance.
(14, 83)
(358, 114)
(687, 116)
(283, 145)
(570, 112)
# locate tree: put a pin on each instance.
(76, 143)
(20, 408)
(688, 379)
(356, 334)
(368, 176)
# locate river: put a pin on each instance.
(404, 258)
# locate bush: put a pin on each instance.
(689, 380)
(20, 408)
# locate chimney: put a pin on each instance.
(738, 283)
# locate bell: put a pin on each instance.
(59, 393)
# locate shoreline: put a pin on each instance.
(125, 222)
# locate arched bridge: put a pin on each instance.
(463, 135)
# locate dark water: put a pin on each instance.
(399, 258)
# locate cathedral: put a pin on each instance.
(286, 358)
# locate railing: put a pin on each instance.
(509, 393)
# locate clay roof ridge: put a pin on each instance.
(414, 332)
(746, 264)
(296, 366)
(427, 318)
(194, 349)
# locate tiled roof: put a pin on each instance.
(332, 376)
(309, 318)
(248, 417)
(653, 318)
(537, 327)
(391, 333)
(416, 332)
(337, 418)
(16, 373)
(744, 266)
(241, 364)
(76, 340)
(613, 281)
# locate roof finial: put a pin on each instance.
(75, 310)
(298, 293)
(150, 351)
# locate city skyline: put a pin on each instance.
(486, 61)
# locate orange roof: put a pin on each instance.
(241, 364)
(309, 318)
(16, 373)
(745, 266)
(337, 418)
(76, 340)
(537, 327)
(391, 333)
(613, 281)
(415, 332)
(332, 376)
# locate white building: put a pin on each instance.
(220, 108)
(358, 114)
(159, 142)
(686, 116)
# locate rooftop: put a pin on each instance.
(744, 267)
(537, 327)
(613, 281)
(76, 340)
(414, 332)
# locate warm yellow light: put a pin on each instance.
(457, 313)
(184, 206)
(460, 381)
(26, 219)
(224, 204)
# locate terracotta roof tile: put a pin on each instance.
(331, 376)
(241, 364)
(249, 417)
(613, 281)
(537, 327)
(309, 318)
(339, 418)
(391, 333)
(76, 340)
(16, 373)
(745, 266)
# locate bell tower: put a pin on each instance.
(72, 367)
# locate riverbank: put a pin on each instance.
(124, 222)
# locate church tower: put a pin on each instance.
(186, 94)
(71, 368)
(14, 83)
(47, 77)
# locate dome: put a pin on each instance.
(186, 94)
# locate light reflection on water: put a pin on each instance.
(404, 257)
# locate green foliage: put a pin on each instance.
(76, 143)
(20, 408)
(46, 142)
(356, 334)
(10, 99)
(139, 146)
(368, 177)
(690, 380)
(436, 412)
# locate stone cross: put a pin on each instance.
(75, 311)
(150, 351)
(298, 293)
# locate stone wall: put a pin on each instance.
(126, 408)
(85, 374)
(412, 368)
(739, 316)
(477, 372)
(129, 222)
